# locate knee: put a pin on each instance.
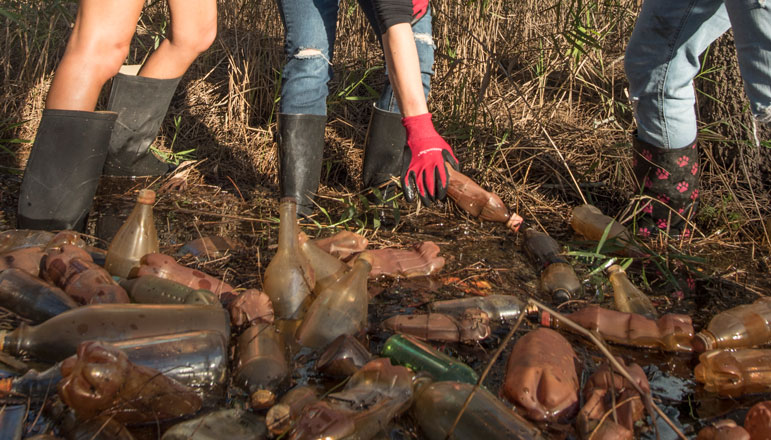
(194, 41)
(102, 59)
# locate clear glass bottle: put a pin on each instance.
(340, 309)
(288, 278)
(747, 325)
(497, 307)
(135, 239)
(419, 356)
(472, 327)
(734, 373)
(21, 238)
(557, 275)
(151, 289)
(262, 366)
(478, 202)
(326, 268)
(438, 404)
(628, 298)
(31, 297)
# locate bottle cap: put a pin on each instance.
(146, 197)
(546, 319)
(262, 399)
(703, 341)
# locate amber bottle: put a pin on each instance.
(340, 309)
(31, 297)
(557, 275)
(288, 279)
(135, 239)
(326, 268)
(747, 325)
(733, 373)
(59, 337)
(478, 202)
(628, 298)
(590, 222)
(151, 289)
(262, 365)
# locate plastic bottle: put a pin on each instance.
(230, 424)
(283, 415)
(343, 244)
(22, 238)
(422, 260)
(26, 259)
(497, 307)
(343, 357)
(166, 267)
(340, 309)
(725, 429)
(758, 421)
(438, 404)
(249, 307)
(262, 365)
(326, 268)
(478, 202)
(59, 337)
(419, 356)
(151, 289)
(72, 269)
(733, 373)
(557, 275)
(590, 222)
(288, 279)
(473, 326)
(135, 239)
(747, 325)
(31, 297)
(627, 297)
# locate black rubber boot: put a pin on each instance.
(383, 151)
(300, 149)
(63, 169)
(671, 179)
(141, 104)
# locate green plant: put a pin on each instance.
(171, 156)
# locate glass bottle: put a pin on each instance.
(21, 238)
(231, 424)
(288, 279)
(262, 365)
(747, 325)
(472, 327)
(343, 357)
(497, 307)
(557, 275)
(478, 202)
(151, 289)
(340, 309)
(734, 373)
(326, 268)
(419, 356)
(59, 337)
(283, 415)
(166, 267)
(27, 259)
(135, 239)
(628, 298)
(438, 404)
(31, 297)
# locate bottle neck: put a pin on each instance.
(287, 228)
(141, 210)
(10, 342)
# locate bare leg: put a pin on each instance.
(193, 29)
(95, 51)
(404, 69)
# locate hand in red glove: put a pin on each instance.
(419, 9)
(425, 170)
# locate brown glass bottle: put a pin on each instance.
(478, 202)
(288, 279)
(59, 337)
(135, 239)
(733, 373)
(326, 268)
(628, 298)
(31, 297)
(339, 309)
(150, 289)
(747, 325)
(557, 275)
(262, 365)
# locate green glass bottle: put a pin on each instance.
(419, 356)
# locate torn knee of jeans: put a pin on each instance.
(764, 115)
(423, 38)
(310, 53)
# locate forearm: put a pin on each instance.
(404, 69)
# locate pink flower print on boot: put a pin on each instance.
(686, 234)
(661, 223)
(682, 161)
(681, 211)
(690, 281)
(662, 174)
(678, 295)
(644, 232)
(682, 186)
(647, 182)
(695, 194)
(648, 209)
(695, 169)
(647, 155)
(663, 198)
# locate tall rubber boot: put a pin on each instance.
(63, 169)
(141, 104)
(670, 177)
(383, 151)
(300, 150)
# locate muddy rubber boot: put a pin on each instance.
(300, 150)
(63, 169)
(383, 151)
(671, 178)
(141, 104)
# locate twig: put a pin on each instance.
(610, 411)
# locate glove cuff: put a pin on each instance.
(419, 127)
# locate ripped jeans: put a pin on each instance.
(310, 30)
(662, 59)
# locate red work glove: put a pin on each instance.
(425, 170)
(419, 9)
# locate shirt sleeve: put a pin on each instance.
(391, 12)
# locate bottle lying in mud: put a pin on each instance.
(422, 260)
(343, 357)
(289, 278)
(136, 238)
(14, 239)
(747, 325)
(27, 259)
(419, 356)
(72, 269)
(733, 373)
(627, 297)
(343, 244)
(478, 202)
(230, 424)
(31, 297)
(326, 268)
(758, 421)
(151, 289)
(497, 307)
(262, 366)
(473, 326)
(669, 333)
(59, 337)
(166, 267)
(590, 222)
(102, 381)
(282, 416)
(557, 275)
(725, 429)
(541, 376)
(340, 309)
(438, 404)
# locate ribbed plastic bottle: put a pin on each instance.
(419, 356)
(288, 278)
(734, 373)
(478, 202)
(628, 298)
(557, 275)
(747, 325)
(135, 239)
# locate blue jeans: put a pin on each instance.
(310, 29)
(663, 58)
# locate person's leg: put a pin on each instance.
(97, 47)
